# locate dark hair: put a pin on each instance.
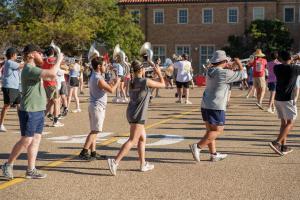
(136, 66)
(274, 55)
(10, 52)
(96, 62)
(49, 51)
(185, 56)
(285, 55)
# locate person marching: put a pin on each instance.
(74, 84)
(140, 92)
(286, 75)
(10, 84)
(31, 112)
(98, 101)
(214, 102)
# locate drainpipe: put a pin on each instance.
(146, 22)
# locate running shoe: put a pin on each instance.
(7, 171)
(188, 102)
(270, 111)
(217, 157)
(2, 128)
(147, 167)
(276, 147)
(84, 156)
(34, 174)
(65, 112)
(195, 151)
(178, 101)
(286, 149)
(112, 166)
(78, 110)
(50, 116)
(98, 157)
(60, 116)
(259, 106)
(57, 124)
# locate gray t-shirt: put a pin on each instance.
(11, 75)
(98, 97)
(217, 87)
(139, 100)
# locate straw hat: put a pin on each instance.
(259, 53)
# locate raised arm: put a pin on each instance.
(51, 73)
(156, 84)
(105, 86)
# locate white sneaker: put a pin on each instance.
(58, 124)
(195, 151)
(270, 111)
(76, 110)
(112, 166)
(217, 157)
(2, 128)
(188, 102)
(147, 167)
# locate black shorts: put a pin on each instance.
(272, 86)
(11, 96)
(182, 84)
(137, 122)
(74, 82)
(63, 89)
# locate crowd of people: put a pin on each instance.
(44, 85)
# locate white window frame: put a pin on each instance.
(293, 14)
(212, 15)
(159, 46)
(237, 13)
(183, 45)
(205, 45)
(253, 16)
(134, 10)
(158, 10)
(178, 17)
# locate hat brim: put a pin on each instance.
(260, 55)
(214, 61)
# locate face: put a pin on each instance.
(103, 67)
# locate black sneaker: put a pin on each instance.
(276, 147)
(50, 117)
(65, 112)
(98, 157)
(285, 149)
(84, 156)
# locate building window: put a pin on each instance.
(207, 15)
(232, 15)
(183, 49)
(183, 16)
(158, 16)
(258, 13)
(136, 14)
(159, 52)
(206, 52)
(289, 14)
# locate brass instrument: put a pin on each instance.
(146, 51)
(120, 57)
(56, 48)
(93, 53)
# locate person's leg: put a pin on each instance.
(286, 127)
(135, 133)
(70, 96)
(213, 133)
(250, 91)
(90, 142)
(258, 94)
(141, 146)
(19, 147)
(76, 97)
(271, 100)
(296, 95)
(262, 94)
(33, 150)
(186, 92)
(3, 113)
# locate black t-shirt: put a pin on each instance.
(286, 81)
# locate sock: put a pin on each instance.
(93, 153)
(84, 151)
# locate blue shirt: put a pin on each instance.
(119, 68)
(11, 75)
(98, 96)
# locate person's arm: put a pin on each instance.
(105, 86)
(234, 76)
(51, 73)
(156, 84)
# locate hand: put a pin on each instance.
(157, 70)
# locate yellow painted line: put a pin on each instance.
(107, 142)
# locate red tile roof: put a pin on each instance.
(179, 1)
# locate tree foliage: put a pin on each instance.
(268, 35)
(73, 25)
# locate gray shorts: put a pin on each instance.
(286, 109)
(96, 116)
(298, 82)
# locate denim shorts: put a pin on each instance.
(213, 117)
(31, 123)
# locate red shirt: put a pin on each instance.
(48, 64)
(259, 66)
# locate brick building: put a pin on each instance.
(198, 27)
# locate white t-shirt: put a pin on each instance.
(60, 78)
(184, 69)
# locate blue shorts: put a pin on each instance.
(213, 117)
(31, 123)
(272, 86)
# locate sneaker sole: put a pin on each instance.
(275, 150)
(259, 106)
(147, 170)
(285, 153)
(30, 177)
(109, 166)
(192, 149)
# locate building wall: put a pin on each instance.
(195, 34)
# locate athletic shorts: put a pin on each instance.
(182, 84)
(74, 82)
(286, 109)
(96, 116)
(51, 92)
(137, 122)
(213, 117)
(272, 86)
(11, 96)
(259, 82)
(63, 89)
(31, 123)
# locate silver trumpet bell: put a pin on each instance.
(93, 53)
(146, 50)
(56, 48)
